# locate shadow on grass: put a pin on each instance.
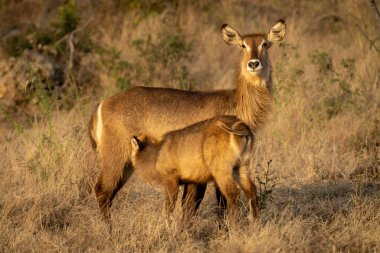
(321, 201)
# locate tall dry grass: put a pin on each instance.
(323, 135)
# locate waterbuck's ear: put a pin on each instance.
(135, 144)
(230, 35)
(277, 32)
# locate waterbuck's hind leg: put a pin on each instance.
(103, 196)
(250, 192)
(127, 173)
(241, 176)
(192, 197)
(230, 191)
(115, 170)
(221, 201)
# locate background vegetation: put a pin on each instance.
(317, 160)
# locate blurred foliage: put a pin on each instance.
(145, 7)
(43, 37)
(47, 157)
(123, 83)
(68, 17)
(39, 92)
(66, 22)
(165, 53)
(337, 79)
(170, 48)
(119, 68)
(323, 61)
(52, 43)
(15, 45)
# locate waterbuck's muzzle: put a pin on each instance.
(254, 65)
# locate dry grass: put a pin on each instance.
(323, 136)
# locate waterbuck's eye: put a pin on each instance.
(265, 44)
(243, 46)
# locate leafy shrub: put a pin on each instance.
(323, 61)
(123, 83)
(145, 7)
(169, 48)
(44, 37)
(266, 184)
(15, 45)
(349, 66)
(68, 17)
(40, 92)
(165, 53)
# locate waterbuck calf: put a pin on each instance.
(218, 149)
(155, 111)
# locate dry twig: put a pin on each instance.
(371, 41)
(70, 41)
(375, 9)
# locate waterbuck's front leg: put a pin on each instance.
(192, 197)
(171, 187)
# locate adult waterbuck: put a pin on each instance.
(155, 111)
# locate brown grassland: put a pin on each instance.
(316, 161)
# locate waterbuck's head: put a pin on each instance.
(140, 143)
(255, 62)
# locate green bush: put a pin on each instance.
(123, 83)
(323, 61)
(169, 48)
(68, 17)
(145, 7)
(15, 45)
(44, 37)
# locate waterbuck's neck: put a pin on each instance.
(253, 97)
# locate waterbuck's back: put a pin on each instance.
(195, 151)
(155, 111)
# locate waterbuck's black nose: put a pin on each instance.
(252, 64)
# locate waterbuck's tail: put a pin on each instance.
(92, 125)
(238, 128)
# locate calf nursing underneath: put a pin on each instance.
(216, 150)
